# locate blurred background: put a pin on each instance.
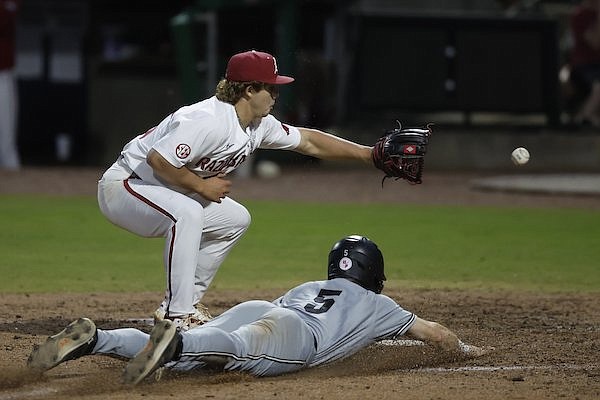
(492, 75)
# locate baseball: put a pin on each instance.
(267, 169)
(520, 156)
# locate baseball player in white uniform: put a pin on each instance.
(312, 324)
(172, 180)
(9, 95)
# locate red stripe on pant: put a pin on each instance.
(172, 218)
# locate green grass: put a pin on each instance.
(56, 244)
(51, 244)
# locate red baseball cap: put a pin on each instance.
(255, 66)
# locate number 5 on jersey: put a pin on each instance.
(320, 299)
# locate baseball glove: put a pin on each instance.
(400, 153)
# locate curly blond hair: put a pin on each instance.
(231, 92)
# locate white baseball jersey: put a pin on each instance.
(206, 137)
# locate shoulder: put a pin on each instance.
(270, 121)
(311, 288)
(276, 134)
(308, 285)
(208, 108)
(267, 124)
(210, 115)
(386, 299)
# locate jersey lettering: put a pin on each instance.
(320, 299)
(208, 164)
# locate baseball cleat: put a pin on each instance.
(164, 344)
(203, 311)
(76, 340)
(185, 322)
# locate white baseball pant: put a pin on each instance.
(9, 156)
(199, 233)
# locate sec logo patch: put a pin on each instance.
(183, 150)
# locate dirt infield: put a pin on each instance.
(547, 345)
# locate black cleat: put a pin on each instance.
(162, 347)
(76, 340)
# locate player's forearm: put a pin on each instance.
(443, 337)
(440, 336)
(181, 177)
(325, 146)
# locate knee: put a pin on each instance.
(242, 219)
(192, 215)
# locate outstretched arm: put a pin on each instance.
(444, 338)
(326, 146)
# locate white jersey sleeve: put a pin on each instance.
(345, 317)
(276, 135)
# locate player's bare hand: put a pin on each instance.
(216, 188)
(475, 351)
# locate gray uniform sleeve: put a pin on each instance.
(391, 319)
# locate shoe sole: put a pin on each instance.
(152, 356)
(63, 345)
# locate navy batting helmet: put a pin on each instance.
(357, 259)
